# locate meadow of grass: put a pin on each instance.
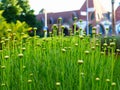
(59, 63)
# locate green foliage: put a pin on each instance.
(3, 25)
(11, 13)
(18, 10)
(10, 28)
(24, 5)
(19, 28)
(29, 18)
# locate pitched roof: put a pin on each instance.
(93, 6)
(67, 15)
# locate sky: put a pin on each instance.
(64, 5)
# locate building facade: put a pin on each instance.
(96, 14)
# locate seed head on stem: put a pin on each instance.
(97, 79)
(81, 37)
(107, 80)
(6, 57)
(102, 53)
(112, 44)
(29, 81)
(35, 28)
(20, 55)
(9, 30)
(3, 84)
(7, 39)
(100, 34)
(107, 29)
(93, 48)
(14, 34)
(105, 37)
(97, 44)
(69, 48)
(62, 27)
(76, 44)
(24, 67)
(105, 44)
(57, 83)
(31, 74)
(2, 41)
(63, 50)
(44, 49)
(80, 29)
(60, 18)
(87, 52)
(75, 18)
(80, 62)
(1, 51)
(118, 50)
(82, 74)
(3, 67)
(80, 20)
(94, 30)
(23, 48)
(113, 84)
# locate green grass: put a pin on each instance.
(54, 63)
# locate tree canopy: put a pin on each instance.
(18, 10)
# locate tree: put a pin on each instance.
(11, 14)
(18, 10)
(11, 10)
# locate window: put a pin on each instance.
(51, 20)
(74, 14)
(93, 16)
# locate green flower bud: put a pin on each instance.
(97, 79)
(31, 74)
(105, 44)
(23, 48)
(9, 30)
(3, 84)
(107, 29)
(62, 27)
(24, 67)
(57, 83)
(60, 18)
(112, 44)
(97, 44)
(20, 55)
(6, 57)
(35, 28)
(87, 52)
(29, 81)
(118, 50)
(63, 50)
(75, 18)
(81, 37)
(80, 62)
(102, 53)
(80, 20)
(76, 44)
(107, 80)
(93, 48)
(113, 84)
(3, 67)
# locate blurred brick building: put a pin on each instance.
(97, 16)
